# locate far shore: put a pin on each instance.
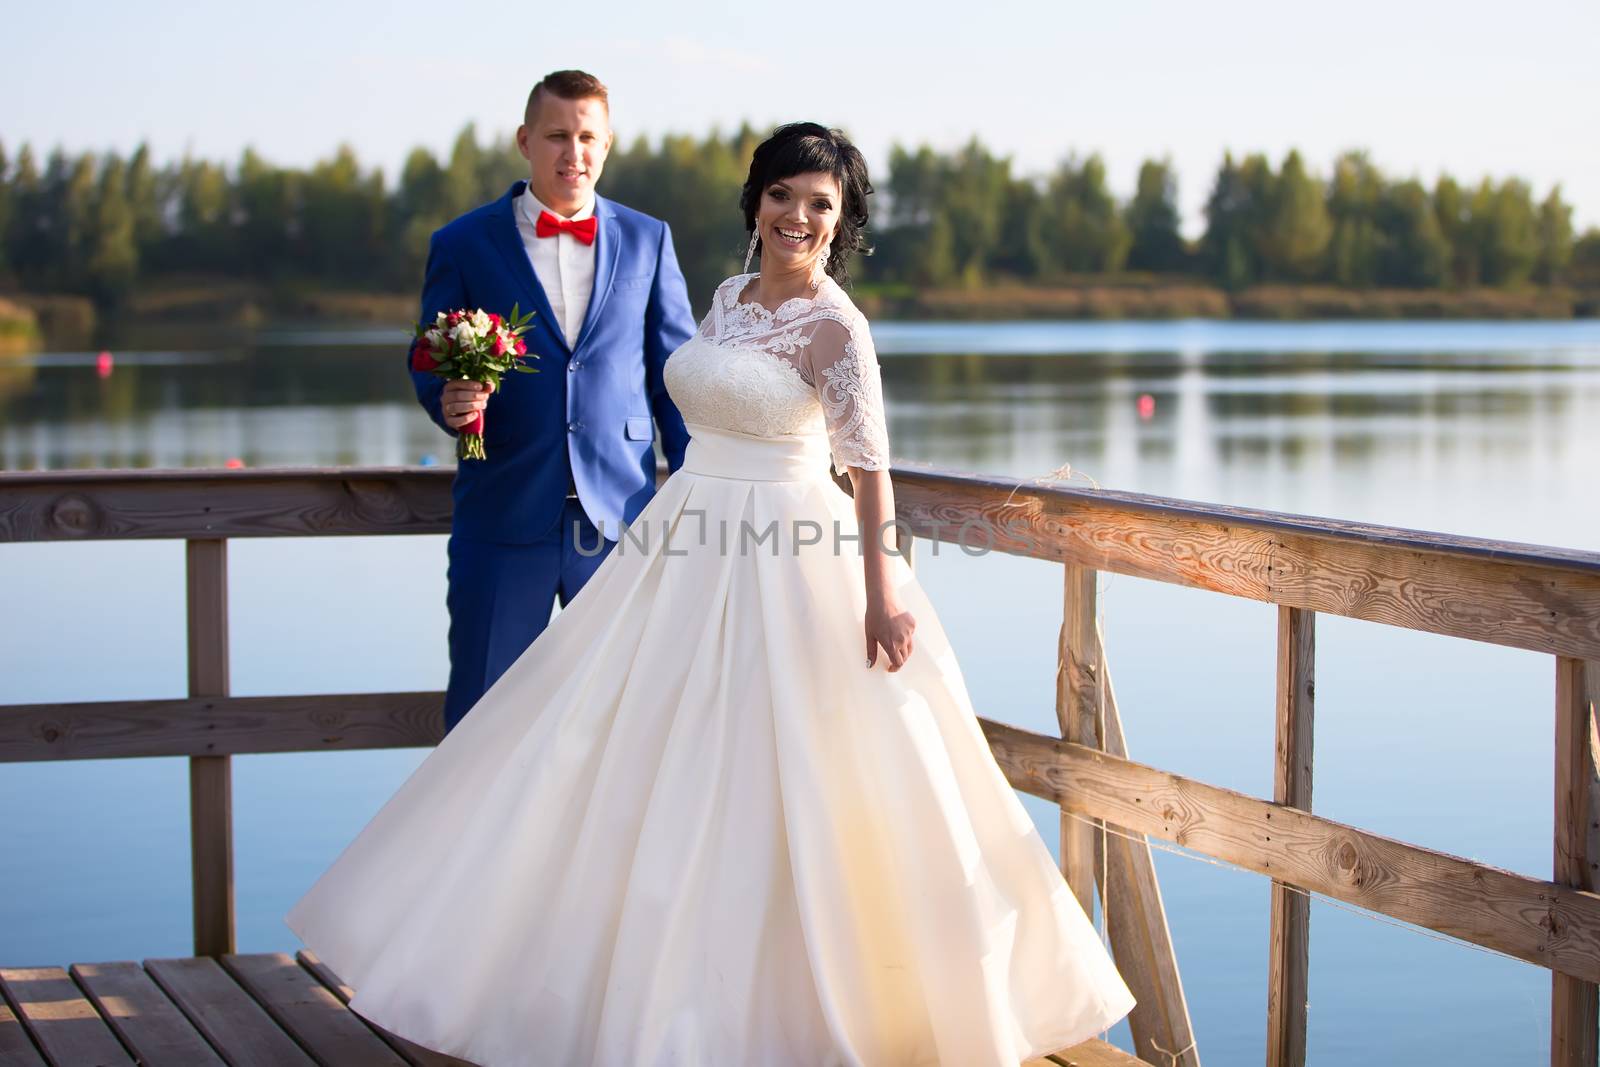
(19, 327)
(29, 319)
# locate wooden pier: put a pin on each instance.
(265, 1010)
(1542, 599)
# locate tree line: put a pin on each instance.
(101, 224)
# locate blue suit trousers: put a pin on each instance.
(500, 598)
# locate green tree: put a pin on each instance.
(1235, 211)
(1584, 268)
(21, 235)
(1087, 229)
(499, 166)
(1296, 228)
(1555, 239)
(1414, 251)
(144, 199)
(920, 248)
(1353, 199)
(1023, 251)
(202, 241)
(915, 182)
(420, 207)
(343, 215)
(267, 216)
(1455, 226)
(463, 178)
(973, 201)
(1505, 225)
(1152, 220)
(66, 221)
(111, 253)
(5, 208)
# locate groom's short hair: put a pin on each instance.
(566, 85)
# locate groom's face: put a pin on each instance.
(566, 147)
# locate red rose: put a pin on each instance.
(422, 357)
(494, 320)
(499, 345)
(522, 348)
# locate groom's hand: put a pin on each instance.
(462, 401)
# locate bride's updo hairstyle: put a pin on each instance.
(806, 148)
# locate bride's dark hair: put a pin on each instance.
(805, 148)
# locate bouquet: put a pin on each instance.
(474, 346)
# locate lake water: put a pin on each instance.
(1491, 429)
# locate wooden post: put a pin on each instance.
(210, 777)
(1136, 921)
(1573, 1002)
(1078, 713)
(1289, 945)
(1591, 676)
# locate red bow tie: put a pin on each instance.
(548, 226)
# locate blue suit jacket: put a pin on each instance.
(589, 408)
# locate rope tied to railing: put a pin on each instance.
(1064, 473)
(1174, 1059)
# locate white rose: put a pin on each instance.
(480, 321)
(464, 334)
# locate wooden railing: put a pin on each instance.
(1542, 599)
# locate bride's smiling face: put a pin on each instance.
(797, 219)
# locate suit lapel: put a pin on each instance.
(507, 239)
(608, 245)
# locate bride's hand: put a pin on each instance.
(889, 626)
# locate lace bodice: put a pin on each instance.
(808, 367)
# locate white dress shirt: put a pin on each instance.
(563, 264)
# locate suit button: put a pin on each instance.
(574, 426)
(574, 365)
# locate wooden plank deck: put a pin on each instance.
(266, 1008)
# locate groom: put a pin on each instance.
(569, 448)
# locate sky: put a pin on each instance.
(1426, 86)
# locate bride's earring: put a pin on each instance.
(821, 270)
(750, 252)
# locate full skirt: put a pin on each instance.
(691, 827)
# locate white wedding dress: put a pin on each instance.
(690, 826)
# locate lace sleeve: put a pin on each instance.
(843, 366)
(711, 325)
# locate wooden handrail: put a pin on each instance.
(1535, 920)
(1522, 596)
(945, 500)
(219, 726)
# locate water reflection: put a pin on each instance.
(1345, 420)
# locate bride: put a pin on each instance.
(733, 807)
